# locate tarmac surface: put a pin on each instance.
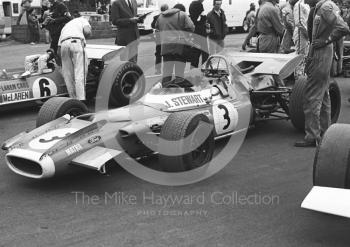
(84, 208)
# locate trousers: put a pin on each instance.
(268, 43)
(317, 105)
(74, 67)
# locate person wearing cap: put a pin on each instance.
(74, 60)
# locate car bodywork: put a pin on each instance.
(39, 87)
(221, 93)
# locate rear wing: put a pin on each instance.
(282, 65)
(103, 52)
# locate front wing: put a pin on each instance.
(328, 200)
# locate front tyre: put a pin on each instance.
(59, 106)
(332, 163)
(189, 154)
(128, 84)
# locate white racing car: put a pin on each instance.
(232, 91)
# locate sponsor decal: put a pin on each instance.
(74, 149)
(16, 96)
(185, 101)
(94, 139)
(13, 86)
(50, 138)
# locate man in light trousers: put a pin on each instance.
(74, 60)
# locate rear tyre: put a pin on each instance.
(57, 107)
(331, 164)
(296, 108)
(128, 84)
(192, 154)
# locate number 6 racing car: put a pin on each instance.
(41, 86)
(179, 122)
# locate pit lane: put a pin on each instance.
(83, 208)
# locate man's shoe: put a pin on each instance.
(305, 144)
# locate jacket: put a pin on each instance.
(60, 14)
(171, 24)
(218, 26)
(127, 30)
(327, 23)
(269, 20)
(196, 9)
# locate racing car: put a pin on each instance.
(331, 174)
(231, 91)
(39, 87)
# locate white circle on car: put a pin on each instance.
(44, 87)
(225, 117)
(50, 138)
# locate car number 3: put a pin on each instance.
(225, 117)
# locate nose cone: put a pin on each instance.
(27, 163)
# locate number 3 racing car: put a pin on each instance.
(41, 86)
(179, 122)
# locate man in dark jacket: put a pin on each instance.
(216, 20)
(124, 16)
(59, 16)
(172, 24)
(199, 20)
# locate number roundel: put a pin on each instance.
(225, 117)
(50, 138)
(44, 87)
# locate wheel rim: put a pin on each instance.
(199, 156)
(129, 85)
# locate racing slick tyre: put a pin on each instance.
(332, 160)
(192, 152)
(57, 107)
(296, 109)
(128, 84)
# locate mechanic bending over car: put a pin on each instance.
(72, 45)
(327, 27)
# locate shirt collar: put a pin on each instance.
(218, 12)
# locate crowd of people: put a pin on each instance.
(310, 28)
